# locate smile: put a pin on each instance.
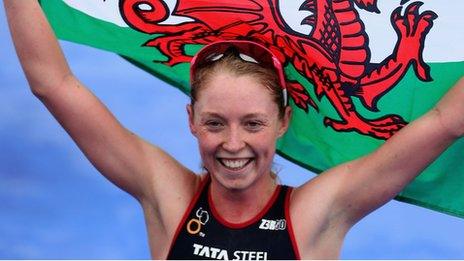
(235, 164)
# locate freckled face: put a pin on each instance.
(236, 123)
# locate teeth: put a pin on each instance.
(234, 164)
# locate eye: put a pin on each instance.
(214, 125)
(254, 125)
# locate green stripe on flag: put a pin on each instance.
(308, 142)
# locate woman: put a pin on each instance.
(236, 136)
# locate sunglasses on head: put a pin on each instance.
(247, 51)
(218, 56)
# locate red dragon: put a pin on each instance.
(334, 56)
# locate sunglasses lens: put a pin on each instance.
(214, 57)
(247, 58)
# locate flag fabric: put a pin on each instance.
(357, 70)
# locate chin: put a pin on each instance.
(237, 185)
(236, 181)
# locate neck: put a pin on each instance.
(241, 205)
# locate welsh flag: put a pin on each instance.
(357, 70)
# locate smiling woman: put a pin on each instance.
(237, 113)
(236, 208)
(236, 117)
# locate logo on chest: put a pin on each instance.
(278, 224)
(194, 225)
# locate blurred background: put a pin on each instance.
(55, 205)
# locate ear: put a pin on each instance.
(285, 121)
(191, 119)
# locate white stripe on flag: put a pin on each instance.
(443, 43)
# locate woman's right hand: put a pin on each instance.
(125, 159)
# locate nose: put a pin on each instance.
(233, 140)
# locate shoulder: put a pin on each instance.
(164, 212)
(311, 211)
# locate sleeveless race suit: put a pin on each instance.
(203, 234)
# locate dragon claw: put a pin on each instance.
(300, 96)
(310, 20)
(308, 5)
(429, 16)
(368, 5)
(414, 8)
(412, 27)
(396, 13)
(381, 128)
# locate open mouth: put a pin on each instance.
(235, 164)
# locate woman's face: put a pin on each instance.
(236, 123)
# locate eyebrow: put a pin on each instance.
(210, 114)
(248, 116)
(256, 115)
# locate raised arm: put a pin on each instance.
(371, 181)
(330, 204)
(131, 163)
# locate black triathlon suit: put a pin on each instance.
(203, 234)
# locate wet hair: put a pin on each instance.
(232, 63)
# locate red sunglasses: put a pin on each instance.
(246, 50)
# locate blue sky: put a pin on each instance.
(55, 205)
